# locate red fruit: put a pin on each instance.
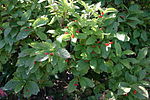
(28, 90)
(72, 36)
(106, 44)
(75, 84)
(34, 62)
(122, 16)
(75, 20)
(66, 27)
(77, 32)
(126, 94)
(26, 30)
(46, 53)
(111, 42)
(98, 42)
(51, 54)
(101, 29)
(134, 92)
(86, 60)
(1, 28)
(66, 33)
(29, 27)
(66, 60)
(93, 52)
(102, 13)
(93, 46)
(100, 16)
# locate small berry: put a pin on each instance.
(51, 54)
(26, 30)
(106, 44)
(34, 62)
(66, 27)
(126, 94)
(28, 90)
(46, 53)
(134, 92)
(1, 28)
(72, 36)
(66, 33)
(86, 60)
(93, 46)
(98, 42)
(29, 27)
(77, 32)
(102, 13)
(100, 16)
(111, 42)
(93, 52)
(122, 16)
(66, 60)
(76, 84)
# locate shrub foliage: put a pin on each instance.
(102, 44)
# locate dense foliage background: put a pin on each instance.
(75, 49)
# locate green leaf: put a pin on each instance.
(11, 84)
(52, 20)
(86, 82)
(62, 52)
(93, 64)
(41, 35)
(2, 43)
(128, 52)
(118, 49)
(7, 31)
(142, 93)
(41, 46)
(130, 78)
(71, 86)
(141, 74)
(81, 65)
(126, 63)
(117, 2)
(19, 87)
(30, 88)
(144, 36)
(102, 65)
(26, 15)
(124, 88)
(21, 22)
(90, 40)
(136, 34)
(110, 10)
(40, 22)
(142, 53)
(23, 34)
(105, 51)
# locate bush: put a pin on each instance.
(102, 48)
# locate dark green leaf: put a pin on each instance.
(118, 49)
(7, 31)
(30, 88)
(2, 43)
(142, 53)
(71, 86)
